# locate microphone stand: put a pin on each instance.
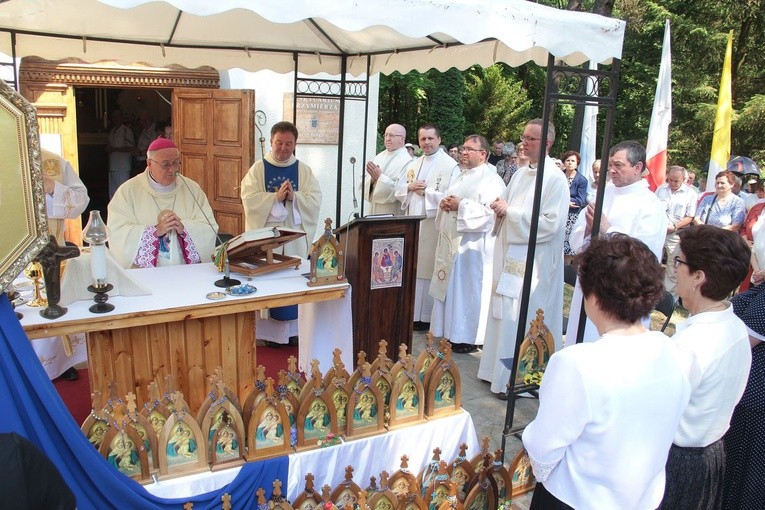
(226, 281)
(353, 177)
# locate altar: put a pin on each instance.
(178, 331)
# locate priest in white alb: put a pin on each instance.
(281, 191)
(384, 172)
(461, 282)
(159, 217)
(629, 207)
(514, 213)
(419, 192)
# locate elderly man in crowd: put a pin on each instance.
(281, 191)
(159, 217)
(461, 283)
(678, 200)
(513, 213)
(629, 207)
(420, 190)
(384, 172)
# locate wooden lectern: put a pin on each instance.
(381, 311)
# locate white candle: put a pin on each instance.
(98, 264)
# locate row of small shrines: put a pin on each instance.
(480, 483)
(164, 437)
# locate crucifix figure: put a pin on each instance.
(50, 258)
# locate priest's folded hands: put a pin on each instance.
(168, 221)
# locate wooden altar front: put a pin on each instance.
(177, 330)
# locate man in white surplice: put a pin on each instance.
(461, 282)
(629, 207)
(420, 190)
(282, 191)
(513, 210)
(384, 172)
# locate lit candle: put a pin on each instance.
(98, 264)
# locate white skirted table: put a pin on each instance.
(369, 456)
(177, 330)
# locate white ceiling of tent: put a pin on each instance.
(400, 35)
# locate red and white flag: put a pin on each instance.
(661, 116)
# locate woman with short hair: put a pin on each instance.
(723, 208)
(508, 165)
(577, 184)
(709, 266)
(608, 410)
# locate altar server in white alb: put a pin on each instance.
(159, 217)
(461, 283)
(280, 191)
(65, 195)
(513, 209)
(629, 207)
(419, 191)
(384, 172)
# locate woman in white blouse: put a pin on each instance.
(710, 265)
(608, 410)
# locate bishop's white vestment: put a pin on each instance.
(509, 267)
(633, 210)
(461, 282)
(132, 221)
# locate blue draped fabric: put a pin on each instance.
(31, 407)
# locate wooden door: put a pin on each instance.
(214, 130)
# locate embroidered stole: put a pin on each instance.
(274, 176)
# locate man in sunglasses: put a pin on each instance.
(159, 217)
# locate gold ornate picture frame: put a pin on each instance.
(22, 200)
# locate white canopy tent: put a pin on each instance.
(340, 37)
(398, 35)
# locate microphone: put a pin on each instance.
(226, 281)
(353, 176)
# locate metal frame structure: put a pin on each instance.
(565, 85)
(343, 89)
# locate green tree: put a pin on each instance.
(496, 105)
(403, 100)
(447, 106)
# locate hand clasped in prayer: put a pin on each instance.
(168, 221)
(450, 203)
(285, 191)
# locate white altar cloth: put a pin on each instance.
(323, 325)
(369, 456)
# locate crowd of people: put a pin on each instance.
(627, 417)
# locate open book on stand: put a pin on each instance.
(252, 253)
